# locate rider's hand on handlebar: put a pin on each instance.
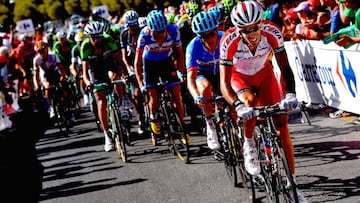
(245, 112)
(290, 101)
(199, 100)
(90, 87)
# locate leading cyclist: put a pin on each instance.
(247, 78)
(101, 57)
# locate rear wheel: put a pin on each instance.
(229, 154)
(246, 180)
(176, 135)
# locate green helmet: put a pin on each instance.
(228, 5)
(194, 7)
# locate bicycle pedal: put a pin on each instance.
(218, 155)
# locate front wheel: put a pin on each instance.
(120, 141)
(283, 178)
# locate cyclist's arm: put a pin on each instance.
(85, 66)
(124, 58)
(36, 75)
(180, 58)
(118, 58)
(138, 66)
(74, 62)
(225, 84)
(286, 72)
(62, 70)
(191, 81)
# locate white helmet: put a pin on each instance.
(93, 28)
(246, 13)
(131, 18)
(61, 34)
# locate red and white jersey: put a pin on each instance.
(235, 52)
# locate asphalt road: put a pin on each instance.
(78, 170)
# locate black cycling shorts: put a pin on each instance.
(156, 71)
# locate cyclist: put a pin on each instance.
(157, 45)
(25, 54)
(76, 68)
(101, 57)
(247, 78)
(48, 70)
(202, 63)
(128, 42)
(62, 48)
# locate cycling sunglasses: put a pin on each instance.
(208, 35)
(96, 36)
(248, 31)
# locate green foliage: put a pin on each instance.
(43, 10)
(22, 9)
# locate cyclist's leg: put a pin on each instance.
(101, 101)
(151, 78)
(205, 89)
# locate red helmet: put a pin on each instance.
(40, 45)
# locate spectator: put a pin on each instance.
(308, 27)
(336, 22)
(290, 21)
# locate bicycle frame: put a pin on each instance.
(171, 124)
(276, 174)
(117, 126)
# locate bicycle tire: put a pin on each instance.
(229, 154)
(60, 117)
(126, 126)
(246, 180)
(175, 133)
(283, 175)
(120, 142)
(264, 180)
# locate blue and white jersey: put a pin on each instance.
(152, 50)
(197, 55)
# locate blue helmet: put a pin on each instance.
(216, 12)
(203, 22)
(156, 20)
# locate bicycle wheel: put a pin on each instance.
(229, 153)
(125, 126)
(60, 117)
(176, 135)
(120, 142)
(264, 181)
(245, 178)
(282, 177)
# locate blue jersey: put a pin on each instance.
(152, 50)
(197, 55)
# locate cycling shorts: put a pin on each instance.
(214, 79)
(156, 71)
(263, 82)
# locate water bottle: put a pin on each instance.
(267, 150)
(267, 147)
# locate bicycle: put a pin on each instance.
(231, 140)
(118, 127)
(171, 125)
(61, 108)
(275, 176)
